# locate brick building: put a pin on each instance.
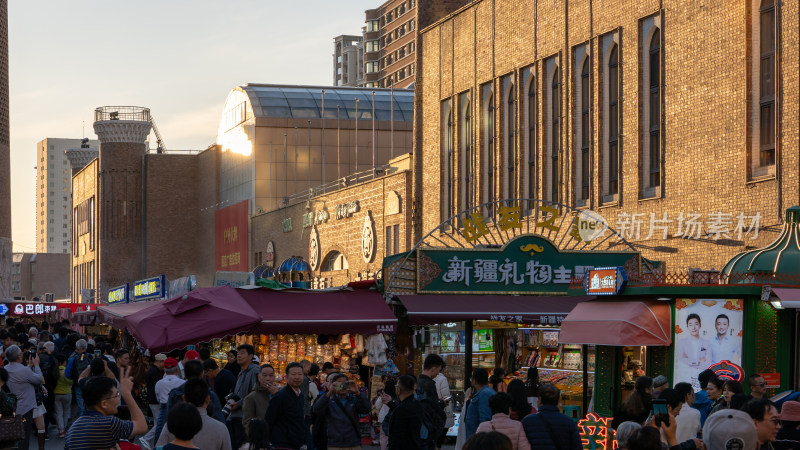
(37, 274)
(648, 113)
(352, 228)
(390, 37)
(5, 159)
(348, 60)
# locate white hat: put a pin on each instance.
(730, 429)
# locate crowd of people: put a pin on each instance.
(96, 394)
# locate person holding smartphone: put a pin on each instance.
(342, 405)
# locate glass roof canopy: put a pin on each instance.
(306, 102)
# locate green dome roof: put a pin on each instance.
(782, 257)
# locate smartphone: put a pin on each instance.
(190, 347)
(660, 412)
(97, 353)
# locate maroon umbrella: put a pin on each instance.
(198, 316)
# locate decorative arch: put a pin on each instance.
(334, 260)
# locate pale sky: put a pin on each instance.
(180, 58)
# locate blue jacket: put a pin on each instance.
(564, 430)
(702, 404)
(478, 410)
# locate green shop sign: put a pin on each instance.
(527, 264)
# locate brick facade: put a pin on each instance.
(342, 235)
(705, 132)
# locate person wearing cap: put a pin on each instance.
(634, 370)
(765, 417)
(730, 430)
(190, 355)
(153, 376)
(789, 435)
(659, 384)
(170, 381)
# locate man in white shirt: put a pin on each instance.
(214, 434)
(170, 381)
(724, 347)
(688, 421)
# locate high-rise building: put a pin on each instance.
(348, 61)
(5, 160)
(390, 39)
(53, 193)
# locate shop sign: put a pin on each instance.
(773, 380)
(347, 209)
(308, 219)
(605, 281)
(269, 255)
(322, 216)
(528, 264)
(149, 289)
(231, 240)
(392, 204)
(385, 329)
(119, 294)
(40, 308)
(234, 279)
(287, 224)
(181, 286)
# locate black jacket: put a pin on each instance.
(404, 427)
(285, 419)
(548, 426)
(151, 378)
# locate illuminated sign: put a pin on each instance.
(726, 370)
(149, 288)
(41, 308)
(605, 281)
(119, 294)
(594, 432)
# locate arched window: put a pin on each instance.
(467, 162)
(767, 84)
(490, 152)
(613, 121)
(585, 127)
(334, 261)
(532, 138)
(555, 142)
(655, 108)
(511, 140)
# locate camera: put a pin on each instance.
(230, 399)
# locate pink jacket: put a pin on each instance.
(512, 428)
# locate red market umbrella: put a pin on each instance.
(198, 316)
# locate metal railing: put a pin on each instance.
(137, 113)
(341, 183)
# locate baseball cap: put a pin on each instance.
(161, 357)
(170, 363)
(659, 381)
(191, 354)
(790, 411)
(730, 429)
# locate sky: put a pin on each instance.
(180, 58)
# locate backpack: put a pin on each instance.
(76, 365)
(433, 417)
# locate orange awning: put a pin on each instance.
(634, 322)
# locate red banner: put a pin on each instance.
(231, 244)
(41, 308)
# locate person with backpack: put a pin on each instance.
(427, 394)
(405, 419)
(76, 364)
(342, 405)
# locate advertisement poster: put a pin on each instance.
(231, 246)
(482, 341)
(706, 332)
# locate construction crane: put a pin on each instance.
(161, 148)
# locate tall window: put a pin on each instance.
(655, 108)
(448, 162)
(532, 138)
(613, 121)
(555, 142)
(767, 84)
(490, 160)
(467, 158)
(511, 142)
(585, 127)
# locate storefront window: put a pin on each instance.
(634, 360)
